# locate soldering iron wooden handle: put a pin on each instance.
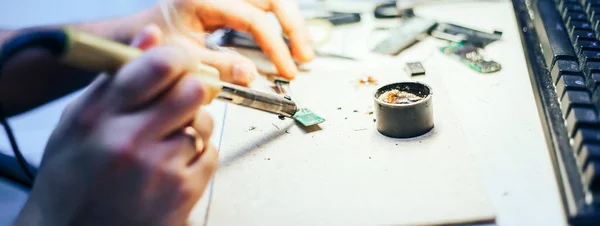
(96, 53)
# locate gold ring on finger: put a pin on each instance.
(193, 133)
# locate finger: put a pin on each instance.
(178, 149)
(292, 23)
(206, 164)
(176, 108)
(89, 97)
(147, 77)
(233, 68)
(244, 17)
(204, 125)
(149, 36)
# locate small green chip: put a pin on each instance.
(471, 56)
(307, 118)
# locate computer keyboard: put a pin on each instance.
(573, 53)
(562, 47)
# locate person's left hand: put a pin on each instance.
(246, 16)
(133, 149)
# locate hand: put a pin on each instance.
(118, 155)
(247, 16)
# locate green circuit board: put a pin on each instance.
(307, 118)
(471, 56)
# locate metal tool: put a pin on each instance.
(406, 34)
(389, 10)
(341, 18)
(91, 52)
(456, 33)
(235, 38)
(281, 105)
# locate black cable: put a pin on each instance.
(54, 41)
(15, 146)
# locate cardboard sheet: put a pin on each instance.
(344, 172)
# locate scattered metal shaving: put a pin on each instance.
(369, 80)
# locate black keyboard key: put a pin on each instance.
(582, 45)
(591, 2)
(564, 67)
(574, 98)
(594, 85)
(595, 15)
(588, 6)
(589, 153)
(594, 21)
(560, 2)
(593, 81)
(591, 175)
(572, 30)
(579, 16)
(568, 7)
(566, 12)
(556, 44)
(579, 118)
(569, 82)
(589, 56)
(585, 135)
(581, 25)
(592, 8)
(592, 54)
(583, 35)
(592, 67)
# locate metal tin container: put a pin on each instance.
(407, 119)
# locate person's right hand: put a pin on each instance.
(243, 15)
(118, 155)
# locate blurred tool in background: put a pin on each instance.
(233, 38)
(465, 43)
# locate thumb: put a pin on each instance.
(149, 36)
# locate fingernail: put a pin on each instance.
(149, 31)
(242, 74)
(153, 28)
(294, 69)
(137, 39)
(310, 52)
(252, 76)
